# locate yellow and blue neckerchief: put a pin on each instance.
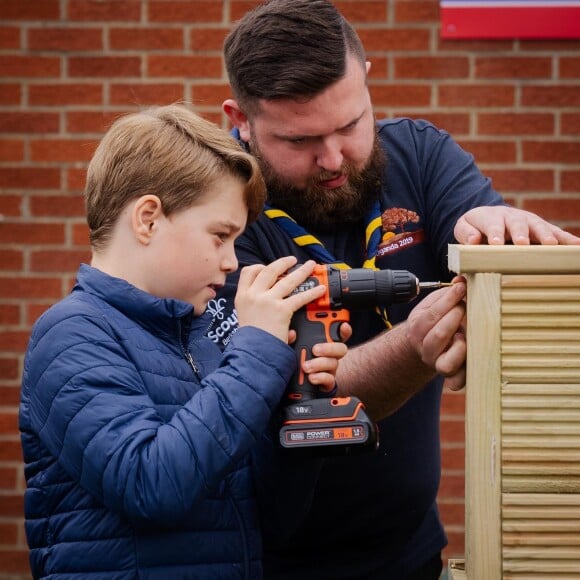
(318, 252)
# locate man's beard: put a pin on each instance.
(318, 208)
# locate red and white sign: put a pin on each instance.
(510, 18)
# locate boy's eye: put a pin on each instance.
(226, 236)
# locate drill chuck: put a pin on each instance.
(362, 287)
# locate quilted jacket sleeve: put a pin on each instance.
(87, 402)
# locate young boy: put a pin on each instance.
(137, 431)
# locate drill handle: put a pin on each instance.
(312, 326)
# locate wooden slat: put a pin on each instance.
(539, 576)
(540, 375)
(539, 308)
(547, 429)
(548, 360)
(536, 526)
(540, 295)
(540, 484)
(548, 389)
(572, 538)
(483, 432)
(545, 567)
(514, 259)
(545, 512)
(539, 469)
(545, 553)
(544, 401)
(541, 455)
(528, 335)
(543, 415)
(541, 281)
(539, 441)
(554, 348)
(538, 501)
(544, 320)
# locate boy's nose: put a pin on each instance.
(230, 261)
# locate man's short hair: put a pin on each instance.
(288, 49)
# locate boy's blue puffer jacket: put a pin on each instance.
(136, 466)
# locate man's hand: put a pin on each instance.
(389, 369)
(496, 225)
(436, 329)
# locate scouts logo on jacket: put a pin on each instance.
(224, 321)
(395, 238)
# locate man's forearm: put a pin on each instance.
(384, 372)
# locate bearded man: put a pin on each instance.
(346, 189)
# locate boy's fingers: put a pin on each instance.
(300, 299)
(289, 281)
(334, 350)
(271, 273)
(249, 273)
(324, 381)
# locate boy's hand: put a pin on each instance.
(322, 369)
(263, 298)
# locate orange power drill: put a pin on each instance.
(337, 425)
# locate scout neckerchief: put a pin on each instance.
(318, 252)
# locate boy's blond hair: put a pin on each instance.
(169, 152)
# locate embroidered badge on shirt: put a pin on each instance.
(224, 321)
(395, 238)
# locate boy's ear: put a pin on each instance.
(146, 211)
(237, 117)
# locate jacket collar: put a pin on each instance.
(144, 308)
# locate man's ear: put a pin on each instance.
(368, 66)
(146, 211)
(237, 118)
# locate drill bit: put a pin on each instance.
(433, 285)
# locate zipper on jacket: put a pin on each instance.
(185, 350)
(192, 364)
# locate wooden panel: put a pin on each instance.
(541, 534)
(540, 409)
(546, 310)
(482, 424)
(541, 385)
(533, 411)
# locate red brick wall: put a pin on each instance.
(67, 67)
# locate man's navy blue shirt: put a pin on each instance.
(375, 515)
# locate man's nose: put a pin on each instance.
(329, 156)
